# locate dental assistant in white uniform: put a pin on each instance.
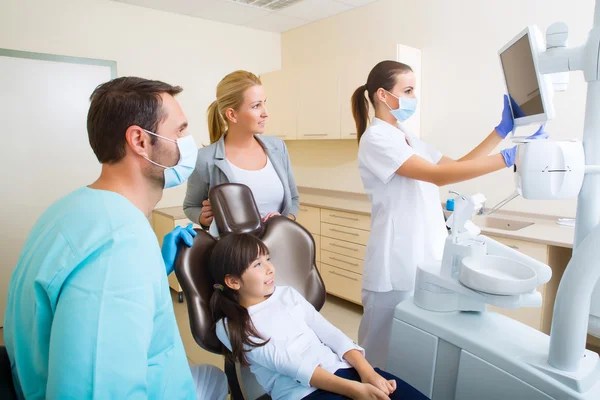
(401, 175)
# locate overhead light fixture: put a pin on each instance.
(272, 5)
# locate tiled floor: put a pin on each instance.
(344, 315)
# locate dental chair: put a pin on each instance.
(7, 389)
(292, 250)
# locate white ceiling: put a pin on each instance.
(298, 14)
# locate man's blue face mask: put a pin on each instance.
(406, 107)
(180, 172)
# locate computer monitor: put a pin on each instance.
(530, 92)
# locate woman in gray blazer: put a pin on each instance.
(239, 153)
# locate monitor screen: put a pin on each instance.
(521, 79)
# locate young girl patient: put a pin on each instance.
(292, 350)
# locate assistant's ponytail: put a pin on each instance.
(360, 110)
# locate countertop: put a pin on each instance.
(544, 229)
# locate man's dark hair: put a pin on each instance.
(118, 104)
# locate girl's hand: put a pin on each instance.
(366, 391)
(373, 378)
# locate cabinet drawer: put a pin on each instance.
(342, 283)
(351, 220)
(343, 262)
(346, 248)
(353, 235)
(529, 316)
(535, 250)
(310, 218)
(317, 247)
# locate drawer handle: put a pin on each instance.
(303, 209)
(343, 276)
(347, 233)
(342, 217)
(512, 246)
(315, 134)
(342, 261)
(343, 247)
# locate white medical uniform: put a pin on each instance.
(407, 228)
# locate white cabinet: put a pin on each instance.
(342, 283)
(310, 218)
(318, 102)
(340, 238)
(312, 99)
(352, 76)
(282, 100)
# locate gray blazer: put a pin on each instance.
(212, 169)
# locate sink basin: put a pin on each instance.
(500, 223)
(497, 275)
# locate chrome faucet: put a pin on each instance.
(458, 194)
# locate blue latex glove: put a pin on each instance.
(507, 124)
(509, 155)
(172, 241)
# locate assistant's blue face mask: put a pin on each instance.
(180, 172)
(406, 107)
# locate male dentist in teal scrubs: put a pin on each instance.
(89, 313)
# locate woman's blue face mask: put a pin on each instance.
(406, 107)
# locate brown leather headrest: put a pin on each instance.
(234, 209)
(292, 250)
(193, 274)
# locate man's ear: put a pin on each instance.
(137, 140)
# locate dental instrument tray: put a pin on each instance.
(497, 275)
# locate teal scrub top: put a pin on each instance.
(89, 312)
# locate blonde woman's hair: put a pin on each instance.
(230, 94)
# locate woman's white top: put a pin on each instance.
(265, 184)
(301, 340)
(407, 220)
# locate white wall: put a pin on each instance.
(30, 103)
(462, 81)
(185, 51)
